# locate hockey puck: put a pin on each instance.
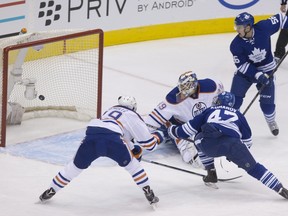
(41, 97)
(23, 31)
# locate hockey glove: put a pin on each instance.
(159, 135)
(172, 132)
(137, 152)
(262, 78)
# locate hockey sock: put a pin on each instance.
(208, 162)
(65, 176)
(270, 117)
(266, 177)
(138, 173)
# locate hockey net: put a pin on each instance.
(52, 74)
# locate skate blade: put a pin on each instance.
(39, 202)
(154, 206)
(42, 201)
(211, 185)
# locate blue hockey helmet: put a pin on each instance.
(225, 99)
(244, 19)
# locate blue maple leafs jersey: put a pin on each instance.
(254, 54)
(227, 120)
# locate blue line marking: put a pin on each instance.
(12, 19)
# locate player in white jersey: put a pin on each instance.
(190, 98)
(111, 137)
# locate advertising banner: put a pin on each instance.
(42, 15)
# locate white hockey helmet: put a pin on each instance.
(187, 83)
(128, 101)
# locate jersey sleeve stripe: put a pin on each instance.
(118, 123)
(188, 129)
(162, 117)
(158, 116)
(158, 122)
(149, 144)
(244, 67)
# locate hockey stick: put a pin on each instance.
(188, 171)
(263, 86)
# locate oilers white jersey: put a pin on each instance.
(186, 109)
(254, 54)
(128, 124)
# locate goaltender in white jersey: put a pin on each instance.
(187, 100)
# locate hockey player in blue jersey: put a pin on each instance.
(189, 98)
(111, 137)
(251, 50)
(222, 130)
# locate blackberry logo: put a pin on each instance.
(48, 10)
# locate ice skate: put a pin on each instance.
(273, 128)
(211, 178)
(152, 199)
(283, 192)
(48, 194)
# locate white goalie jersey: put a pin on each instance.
(127, 123)
(187, 109)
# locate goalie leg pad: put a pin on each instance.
(189, 153)
(15, 113)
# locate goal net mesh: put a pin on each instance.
(54, 74)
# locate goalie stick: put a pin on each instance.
(188, 171)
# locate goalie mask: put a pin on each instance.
(187, 83)
(128, 101)
(225, 99)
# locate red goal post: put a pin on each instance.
(52, 74)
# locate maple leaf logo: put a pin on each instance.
(257, 55)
